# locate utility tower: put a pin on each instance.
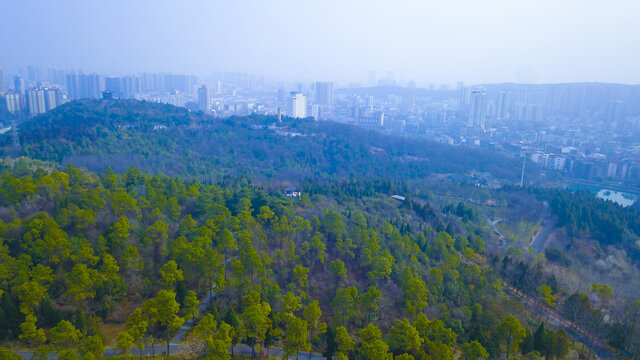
(14, 135)
(524, 162)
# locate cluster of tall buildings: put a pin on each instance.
(80, 86)
(128, 87)
(611, 104)
(39, 90)
(33, 100)
(316, 102)
(324, 94)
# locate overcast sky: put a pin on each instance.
(430, 41)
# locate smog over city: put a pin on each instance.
(410, 180)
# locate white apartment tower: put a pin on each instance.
(297, 105)
(478, 111)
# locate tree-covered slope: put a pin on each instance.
(165, 139)
(81, 252)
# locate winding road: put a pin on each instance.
(503, 239)
(538, 243)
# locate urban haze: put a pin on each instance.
(364, 180)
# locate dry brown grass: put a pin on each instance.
(111, 331)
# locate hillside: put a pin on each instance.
(82, 253)
(126, 256)
(165, 139)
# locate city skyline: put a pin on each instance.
(428, 42)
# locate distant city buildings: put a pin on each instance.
(19, 85)
(37, 89)
(615, 113)
(35, 101)
(41, 100)
(588, 131)
(372, 78)
(204, 99)
(14, 102)
(324, 94)
(175, 99)
(313, 110)
(297, 105)
(81, 86)
(477, 114)
(502, 111)
(125, 87)
(185, 84)
(53, 97)
(281, 95)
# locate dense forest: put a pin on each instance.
(198, 238)
(169, 140)
(603, 221)
(81, 251)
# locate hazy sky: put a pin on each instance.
(429, 41)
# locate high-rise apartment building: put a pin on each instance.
(1, 81)
(204, 99)
(112, 84)
(91, 86)
(126, 87)
(53, 98)
(19, 85)
(81, 86)
(614, 112)
(34, 73)
(14, 102)
(534, 112)
(324, 93)
(504, 99)
(152, 82)
(182, 83)
(39, 100)
(464, 96)
(297, 105)
(35, 101)
(478, 109)
(73, 89)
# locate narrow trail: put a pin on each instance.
(204, 304)
(590, 341)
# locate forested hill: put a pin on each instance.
(165, 139)
(88, 260)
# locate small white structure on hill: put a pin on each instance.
(291, 192)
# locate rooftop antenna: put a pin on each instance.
(14, 134)
(524, 162)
